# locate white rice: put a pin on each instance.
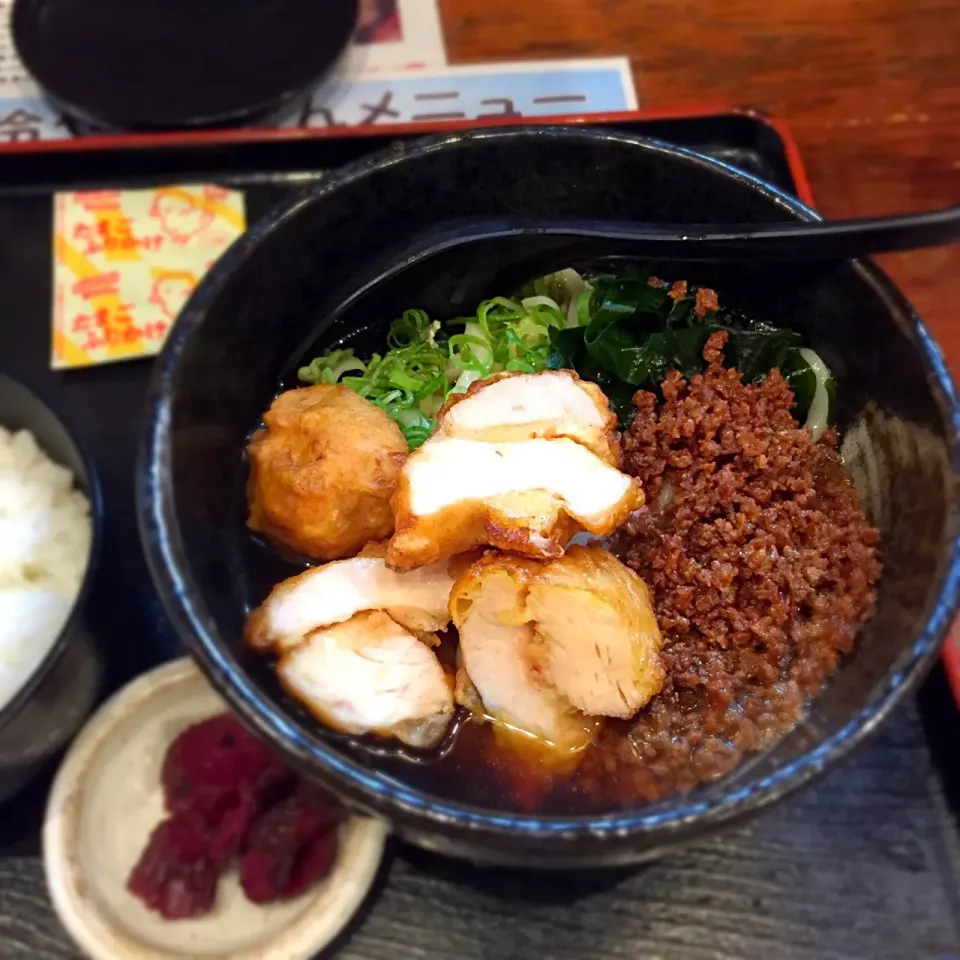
(45, 533)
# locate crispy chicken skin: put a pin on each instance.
(368, 675)
(600, 641)
(335, 591)
(528, 496)
(546, 641)
(498, 672)
(521, 462)
(526, 406)
(323, 470)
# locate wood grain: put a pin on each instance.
(870, 88)
(861, 867)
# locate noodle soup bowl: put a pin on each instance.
(265, 305)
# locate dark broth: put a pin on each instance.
(770, 648)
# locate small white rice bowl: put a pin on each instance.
(45, 534)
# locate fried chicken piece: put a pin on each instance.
(530, 497)
(496, 649)
(546, 641)
(336, 591)
(323, 470)
(526, 406)
(370, 675)
(600, 639)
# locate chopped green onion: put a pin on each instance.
(330, 367)
(427, 361)
(621, 330)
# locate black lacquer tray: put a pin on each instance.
(864, 865)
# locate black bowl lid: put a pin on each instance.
(176, 63)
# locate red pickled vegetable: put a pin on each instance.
(313, 863)
(229, 797)
(212, 762)
(291, 846)
(175, 876)
(228, 836)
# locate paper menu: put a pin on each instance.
(474, 92)
(393, 73)
(14, 80)
(125, 262)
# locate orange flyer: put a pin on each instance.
(125, 262)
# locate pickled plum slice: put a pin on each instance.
(175, 875)
(231, 801)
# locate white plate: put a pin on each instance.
(107, 799)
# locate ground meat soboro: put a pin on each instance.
(762, 567)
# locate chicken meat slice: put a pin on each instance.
(335, 591)
(529, 496)
(539, 639)
(368, 675)
(599, 639)
(525, 406)
(497, 667)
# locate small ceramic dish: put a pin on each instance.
(107, 799)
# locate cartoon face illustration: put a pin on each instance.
(169, 293)
(181, 216)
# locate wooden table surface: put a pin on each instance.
(870, 88)
(863, 865)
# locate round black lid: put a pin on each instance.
(179, 63)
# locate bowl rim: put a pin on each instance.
(74, 620)
(391, 797)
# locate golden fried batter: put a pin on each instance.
(323, 470)
(521, 462)
(546, 643)
(528, 496)
(600, 639)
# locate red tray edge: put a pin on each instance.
(129, 141)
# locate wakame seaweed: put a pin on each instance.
(637, 328)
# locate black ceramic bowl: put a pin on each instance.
(50, 708)
(175, 64)
(249, 317)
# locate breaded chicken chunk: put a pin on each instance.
(368, 675)
(529, 496)
(497, 646)
(526, 406)
(323, 470)
(521, 462)
(600, 642)
(544, 641)
(334, 592)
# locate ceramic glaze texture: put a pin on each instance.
(262, 308)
